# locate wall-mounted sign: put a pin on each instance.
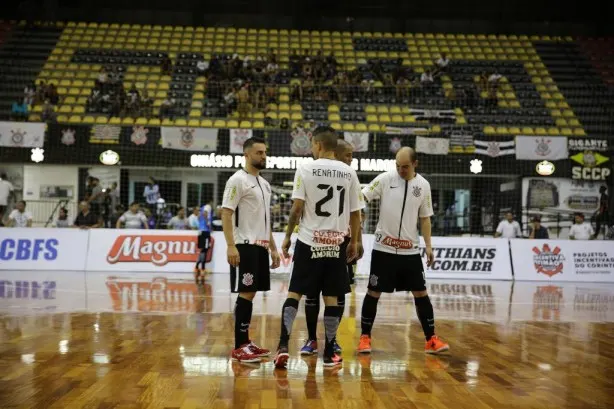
(109, 158)
(545, 168)
(592, 156)
(213, 160)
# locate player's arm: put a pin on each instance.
(425, 214)
(499, 230)
(357, 204)
(295, 216)
(374, 189)
(298, 204)
(11, 220)
(144, 222)
(572, 232)
(232, 195)
(29, 222)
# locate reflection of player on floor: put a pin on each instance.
(246, 220)
(396, 264)
(312, 303)
(327, 199)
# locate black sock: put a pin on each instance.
(331, 323)
(341, 305)
(424, 309)
(369, 310)
(243, 317)
(288, 314)
(312, 310)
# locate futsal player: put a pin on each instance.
(396, 264)
(205, 218)
(327, 199)
(343, 153)
(246, 221)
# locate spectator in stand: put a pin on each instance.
(146, 104)
(52, 94)
(167, 109)
(133, 218)
(426, 79)
(508, 228)
(194, 219)
(493, 81)
(603, 215)
(19, 217)
(87, 219)
(96, 199)
(179, 222)
(102, 78)
(295, 64)
(151, 220)
(581, 230)
(133, 101)
(151, 193)
(296, 93)
(243, 107)
(6, 192)
(19, 111)
(167, 66)
(48, 113)
(442, 64)
(537, 230)
(62, 220)
(483, 82)
(112, 198)
(41, 92)
(29, 92)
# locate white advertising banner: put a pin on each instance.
(43, 249)
(541, 147)
(563, 260)
(22, 134)
(563, 302)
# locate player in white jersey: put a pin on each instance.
(312, 301)
(246, 220)
(396, 264)
(327, 199)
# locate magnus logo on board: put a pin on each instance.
(548, 261)
(464, 259)
(158, 250)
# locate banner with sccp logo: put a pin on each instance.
(563, 260)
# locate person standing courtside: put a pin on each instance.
(327, 199)
(343, 153)
(246, 220)
(396, 265)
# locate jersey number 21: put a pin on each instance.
(329, 195)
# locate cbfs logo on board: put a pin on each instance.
(548, 261)
(158, 250)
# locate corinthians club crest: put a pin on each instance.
(68, 137)
(187, 137)
(139, 135)
(301, 142)
(548, 261)
(18, 136)
(543, 146)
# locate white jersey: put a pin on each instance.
(402, 203)
(250, 198)
(582, 231)
(21, 219)
(331, 192)
(509, 230)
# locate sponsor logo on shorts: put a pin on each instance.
(328, 237)
(325, 252)
(373, 280)
(158, 250)
(262, 243)
(248, 279)
(397, 243)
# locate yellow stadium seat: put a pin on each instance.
(566, 131)
(153, 122)
(128, 121)
(74, 119)
(284, 107)
(167, 122)
(333, 117)
(195, 113)
(101, 120)
(527, 130)
(181, 122)
(489, 130)
(361, 126)
(370, 109)
(296, 108)
(65, 109)
(141, 121)
(336, 126)
(194, 123)
(115, 120)
(232, 123)
(245, 124)
(374, 128)
(296, 116)
(395, 109)
(62, 119)
(382, 109)
(349, 127)
(579, 132)
(396, 119)
(568, 113)
(541, 131)
(573, 122)
(258, 125)
(89, 119)
(385, 119)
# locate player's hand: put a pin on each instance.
(352, 252)
(275, 258)
(285, 247)
(430, 258)
(232, 253)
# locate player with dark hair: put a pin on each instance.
(327, 199)
(396, 264)
(343, 153)
(246, 220)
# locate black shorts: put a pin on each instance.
(396, 272)
(254, 273)
(321, 271)
(203, 240)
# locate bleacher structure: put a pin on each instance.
(550, 85)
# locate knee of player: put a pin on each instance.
(295, 296)
(374, 294)
(247, 296)
(420, 294)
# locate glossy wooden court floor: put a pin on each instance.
(68, 340)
